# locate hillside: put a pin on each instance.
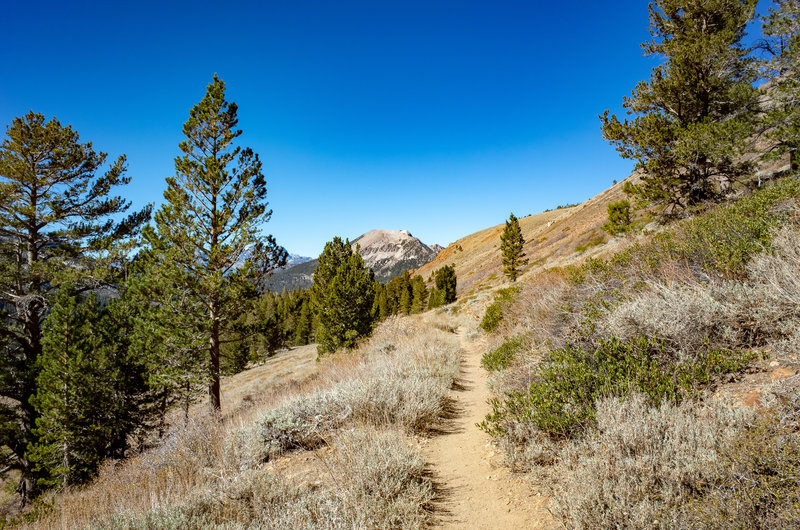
(387, 252)
(551, 238)
(422, 383)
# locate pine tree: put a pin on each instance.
(512, 246)
(72, 397)
(209, 229)
(406, 294)
(694, 118)
(165, 335)
(56, 210)
(619, 217)
(782, 32)
(444, 292)
(420, 298)
(343, 294)
(302, 334)
(383, 306)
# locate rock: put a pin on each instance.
(652, 226)
(753, 400)
(782, 373)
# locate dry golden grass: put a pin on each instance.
(551, 240)
(188, 480)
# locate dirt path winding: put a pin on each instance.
(476, 490)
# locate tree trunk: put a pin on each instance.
(214, 347)
(30, 308)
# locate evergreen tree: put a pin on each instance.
(165, 335)
(445, 282)
(383, 306)
(406, 295)
(208, 237)
(619, 217)
(72, 397)
(420, 298)
(133, 410)
(302, 334)
(343, 294)
(512, 246)
(56, 225)
(693, 119)
(782, 42)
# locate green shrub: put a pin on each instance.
(727, 237)
(500, 358)
(491, 319)
(757, 478)
(720, 241)
(593, 242)
(561, 399)
(494, 313)
(619, 217)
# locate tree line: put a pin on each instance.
(342, 307)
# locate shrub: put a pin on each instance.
(375, 480)
(762, 310)
(756, 480)
(726, 238)
(641, 465)
(721, 241)
(619, 217)
(502, 356)
(491, 319)
(561, 399)
(406, 388)
(494, 313)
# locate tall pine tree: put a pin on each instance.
(782, 42)
(57, 224)
(343, 294)
(209, 229)
(512, 246)
(694, 117)
(420, 298)
(445, 282)
(74, 394)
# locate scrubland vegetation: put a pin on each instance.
(611, 376)
(338, 455)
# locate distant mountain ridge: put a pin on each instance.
(387, 252)
(294, 259)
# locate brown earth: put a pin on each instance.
(476, 489)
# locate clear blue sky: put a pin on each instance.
(435, 117)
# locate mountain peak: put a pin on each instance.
(387, 252)
(390, 252)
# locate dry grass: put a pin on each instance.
(359, 404)
(404, 382)
(551, 239)
(761, 311)
(372, 480)
(642, 465)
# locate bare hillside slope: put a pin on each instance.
(552, 238)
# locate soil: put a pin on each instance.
(475, 489)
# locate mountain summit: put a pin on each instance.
(387, 252)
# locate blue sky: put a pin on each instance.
(435, 117)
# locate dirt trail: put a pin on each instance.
(477, 491)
